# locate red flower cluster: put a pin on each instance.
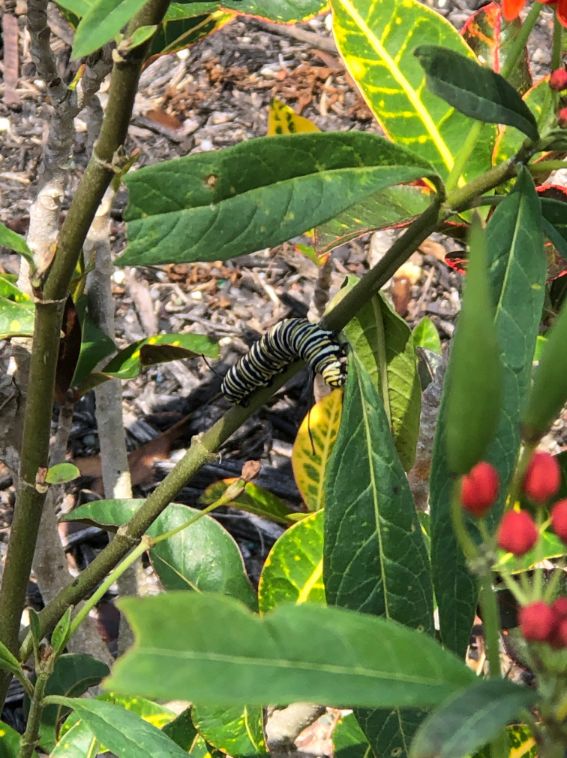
(511, 9)
(540, 622)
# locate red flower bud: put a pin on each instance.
(542, 478)
(537, 621)
(559, 608)
(558, 79)
(517, 533)
(479, 489)
(562, 118)
(559, 519)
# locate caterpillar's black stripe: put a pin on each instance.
(287, 341)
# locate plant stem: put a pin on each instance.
(48, 316)
(544, 167)
(464, 154)
(85, 609)
(31, 735)
(557, 48)
(491, 623)
(518, 46)
(203, 446)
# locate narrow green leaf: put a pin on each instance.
(77, 742)
(517, 275)
(103, 20)
(78, 7)
(35, 629)
(121, 731)
(10, 742)
(259, 193)
(549, 391)
(61, 473)
(9, 290)
(14, 242)
(236, 731)
(95, 344)
(254, 499)
(183, 29)
(141, 35)
(202, 557)
(8, 661)
(383, 343)
(293, 570)
(376, 41)
(282, 11)
(470, 719)
(425, 335)
(60, 634)
(541, 102)
(16, 319)
(73, 674)
(475, 379)
(375, 556)
(305, 652)
(475, 90)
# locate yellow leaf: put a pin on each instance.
(312, 448)
(284, 120)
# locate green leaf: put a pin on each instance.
(61, 473)
(121, 731)
(375, 556)
(16, 319)
(382, 341)
(541, 102)
(475, 378)
(555, 223)
(141, 35)
(73, 674)
(425, 335)
(161, 348)
(10, 742)
(259, 193)
(295, 653)
(349, 740)
(182, 29)
(78, 7)
(390, 207)
(8, 661)
(475, 90)
(517, 275)
(14, 242)
(549, 391)
(376, 40)
(95, 344)
(9, 290)
(237, 731)
(470, 719)
(276, 10)
(182, 730)
(202, 557)
(254, 499)
(77, 742)
(293, 570)
(100, 24)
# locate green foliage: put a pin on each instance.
(259, 193)
(474, 90)
(101, 23)
(306, 652)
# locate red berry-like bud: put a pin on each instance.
(479, 489)
(542, 478)
(558, 638)
(559, 519)
(517, 533)
(558, 79)
(559, 608)
(537, 621)
(562, 118)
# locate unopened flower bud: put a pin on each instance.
(559, 519)
(562, 118)
(542, 478)
(537, 621)
(479, 489)
(559, 607)
(558, 79)
(517, 533)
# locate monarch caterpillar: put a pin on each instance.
(285, 342)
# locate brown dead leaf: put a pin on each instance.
(11, 58)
